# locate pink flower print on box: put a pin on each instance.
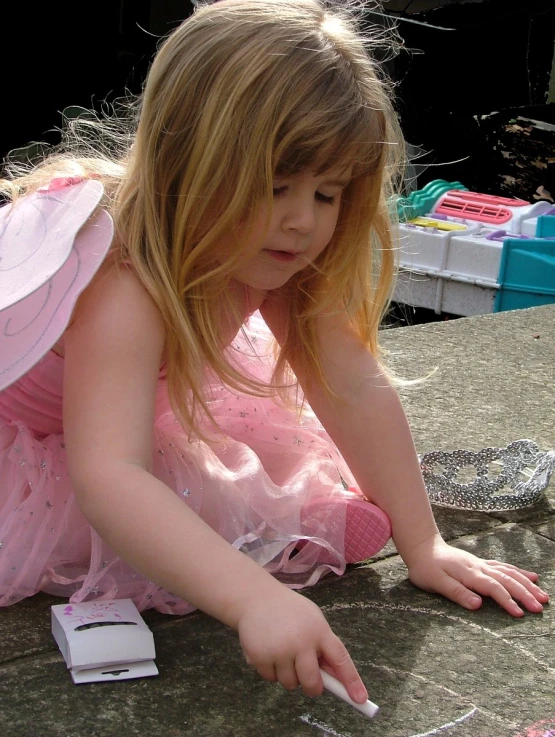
(99, 610)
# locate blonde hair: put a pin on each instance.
(240, 91)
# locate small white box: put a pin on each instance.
(104, 640)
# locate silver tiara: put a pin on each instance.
(492, 479)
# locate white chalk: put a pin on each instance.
(369, 709)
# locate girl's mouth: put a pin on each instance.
(285, 256)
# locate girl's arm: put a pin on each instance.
(370, 429)
(113, 351)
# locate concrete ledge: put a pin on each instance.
(431, 666)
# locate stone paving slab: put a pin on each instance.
(434, 668)
(425, 661)
(494, 383)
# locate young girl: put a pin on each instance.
(255, 184)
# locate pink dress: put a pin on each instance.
(268, 482)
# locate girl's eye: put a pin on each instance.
(323, 198)
(281, 190)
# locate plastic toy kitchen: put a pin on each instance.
(466, 253)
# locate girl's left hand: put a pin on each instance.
(439, 568)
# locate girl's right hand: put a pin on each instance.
(287, 639)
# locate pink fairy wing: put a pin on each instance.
(51, 245)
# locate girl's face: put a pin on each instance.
(301, 224)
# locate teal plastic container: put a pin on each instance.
(526, 274)
(546, 226)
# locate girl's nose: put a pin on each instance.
(300, 216)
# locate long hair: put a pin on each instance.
(239, 92)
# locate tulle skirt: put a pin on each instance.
(266, 482)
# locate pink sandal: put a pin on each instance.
(367, 530)
(367, 527)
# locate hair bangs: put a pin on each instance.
(318, 136)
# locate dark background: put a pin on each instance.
(457, 92)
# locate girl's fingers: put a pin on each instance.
(508, 584)
(464, 578)
(529, 574)
(335, 655)
(519, 588)
(456, 591)
(525, 578)
(308, 673)
(501, 591)
(267, 671)
(287, 675)
(498, 585)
